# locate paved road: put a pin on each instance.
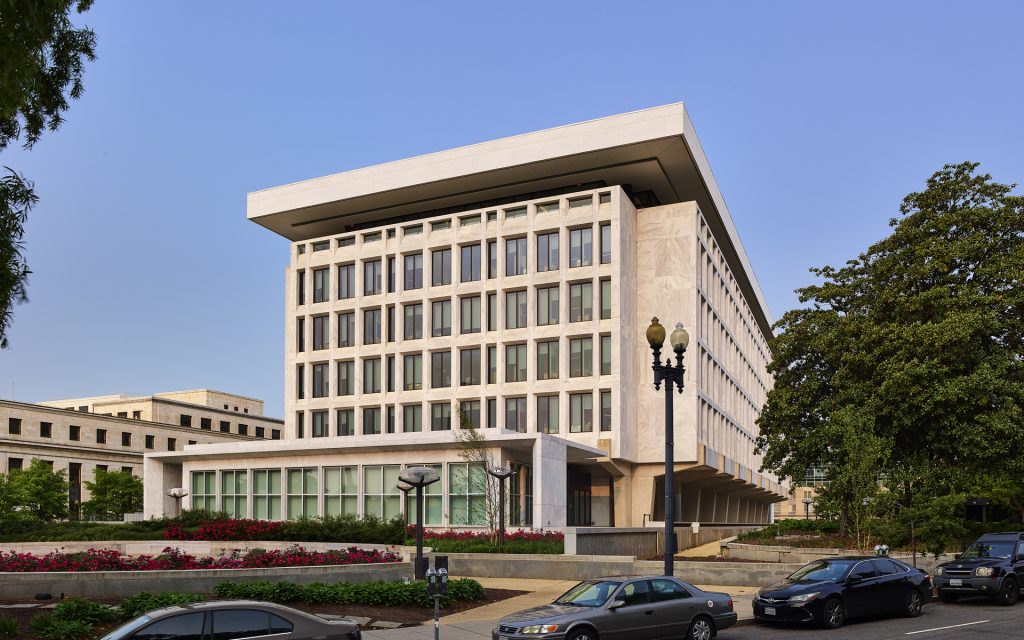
(976, 619)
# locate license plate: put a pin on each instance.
(504, 638)
(956, 582)
(769, 611)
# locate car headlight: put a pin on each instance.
(803, 598)
(938, 571)
(539, 628)
(983, 571)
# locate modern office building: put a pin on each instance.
(506, 287)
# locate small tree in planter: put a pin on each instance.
(475, 450)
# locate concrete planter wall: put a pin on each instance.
(642, 542)
(801, 556)
(193, 547)
(514, 565)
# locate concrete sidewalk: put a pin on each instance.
(477, 623)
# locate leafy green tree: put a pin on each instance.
(42, 58)
(113, 494)
(40, 491)
(919, 338)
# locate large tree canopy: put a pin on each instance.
(42, 57)
(919, 342)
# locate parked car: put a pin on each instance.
(993, 566)
(229, 619)
(624, 608)
(829, 591)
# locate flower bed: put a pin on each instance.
(229, 529)
(517, 541)
(173, 559)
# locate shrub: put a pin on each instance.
(83, 610)
(49, 627)
(9, 627)
(379, 593)
(140, 603)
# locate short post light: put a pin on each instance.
(419, 477)
(501, 473)
(673, 376)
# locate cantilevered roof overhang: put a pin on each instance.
(654, 149)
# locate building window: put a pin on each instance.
(137, 415)
(441, 318)
(581, 302)
(321, 427)
(371, 421)
(547, 414)
(492, 413)
(341, 491)
(225, 426)
(515, 363)
(606, 299)
(469, 367)
(606, 411)
(126, 439)
(101, 436)
(521, 496)
(150, 441)
(371, 326)
(581, 203)
(389, 418)
(172, 444)
(547, 360)
(412, 418)
(323, 245)
(517, 212)
(433, 499)
(467, 493)
(45, 429)
(275, 434)
(492, 259)
(300, 382)
(515, 414)
(391, 323)
(515, 309)
(371, 375)
(346, 422)
(492, 312)
(413, 272)
(185, 420)
(204, 490)
(14, 464)
(440, 369)
(581, 358)
(14, 426)
(547, 305)
(243, 429)
(321, 285)
(321, 331)
(606, 243)
(492, 364)
(469, 321)
(205, 424)
(390, 374)
(302, 493)
(371, 277)
(469, 414)
(606, 355)
(412, 371)
(321, 381)
(347, 329)
(300, 424)
(300, 286)
(441, 416)
(469, 263)
(412, 324)
(260, 432)
(441, 267)
(75, 432)
(346, 281)
(391, 274)
(346, 378)
(548, 207)
(380, 491)
(580, 249)
(581, 412)
(266, 494)
(547, 251)
(604, 198)
(300, 335)
(515, 257)
(234, 489)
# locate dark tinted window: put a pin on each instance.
(279, 624)
(634, 592)
(188, 626)
(240, 623)
(864, 570)
(663, 590)
(888, 567)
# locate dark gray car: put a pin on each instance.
(230, 619)
(624, 608)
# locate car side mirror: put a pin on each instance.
(615, 604)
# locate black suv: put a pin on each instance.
(993, 566)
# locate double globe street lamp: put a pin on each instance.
(672, 375)
(418, 478)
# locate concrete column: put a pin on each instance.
(549, 477)
(159, 477)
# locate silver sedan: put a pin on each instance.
(624, 608)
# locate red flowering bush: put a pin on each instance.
(171, 558)
(518, 541)
(227, 529)
(519, 535)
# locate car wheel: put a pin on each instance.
(912, 603)
(948, 598)
(702, 628)
(1007, 596)
(833, 614)
(583, 633)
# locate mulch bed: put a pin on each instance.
(408, 617)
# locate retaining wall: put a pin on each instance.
(642, 542)
(193, 547)
(801, 556)
(514, 565)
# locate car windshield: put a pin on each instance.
(832, 570)
(590, 593)
(126, 629)
(989, 550)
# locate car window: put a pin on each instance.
(1020, 549)
(988, 550)
(663, 590)
(245, 623)
(279, 624)
(635, 592)
(187, 626)
(864, 570)
(831, 570)
(590, 593)
(126, 629)
(888, 567)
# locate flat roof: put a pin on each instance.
(653, 149)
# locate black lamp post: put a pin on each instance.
(672, 375)
(419, 477)
(405, 488)
(501, 473)
(807, 507)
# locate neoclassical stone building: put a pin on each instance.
(506, 286)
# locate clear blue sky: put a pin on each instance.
(817, 119)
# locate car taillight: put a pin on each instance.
(729, 603)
